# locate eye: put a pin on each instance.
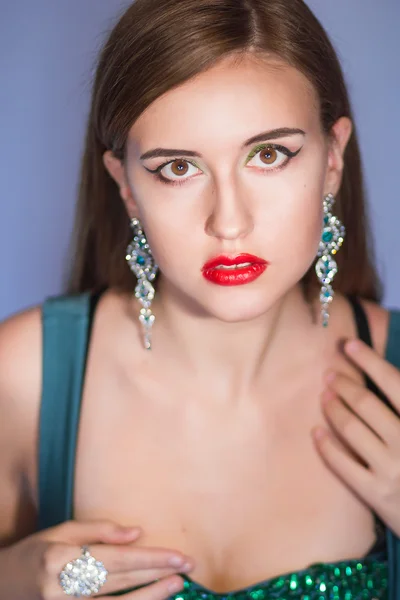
(177, 169)
(270, 157)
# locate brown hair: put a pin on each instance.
(156, 46)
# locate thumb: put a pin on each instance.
(92, 532)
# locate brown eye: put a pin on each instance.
(179, 167)
(268, 156)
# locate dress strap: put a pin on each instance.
(393, 356)
(361, 320)
(393, 343)
(66, 323)
(364, 333)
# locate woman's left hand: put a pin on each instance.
(370, 429)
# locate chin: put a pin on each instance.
(238, 310)
(234, 304)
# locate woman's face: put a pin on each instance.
(232, 162)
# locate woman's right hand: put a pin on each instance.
(29, 569)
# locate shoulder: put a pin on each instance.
(20, 353)
(20, 381)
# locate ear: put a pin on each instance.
(338, 139)
(116, 169)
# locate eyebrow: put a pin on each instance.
(261, 137)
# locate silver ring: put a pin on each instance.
(84, 576)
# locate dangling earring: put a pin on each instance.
(141, 262)
(326, 268)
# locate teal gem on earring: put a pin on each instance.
(144, 292)
(326, 269)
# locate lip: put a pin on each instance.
(238, 276)
(229, 261)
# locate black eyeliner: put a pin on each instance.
(267, 145)
(158, 169)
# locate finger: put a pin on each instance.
(159, 590)
(129, 581)
(89, 532)
(358, 478)
(354, 432)
(368, 407)
(120, 559)
(385, 375)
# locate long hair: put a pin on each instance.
(156, 46)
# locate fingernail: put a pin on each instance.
(176, 561)
(187, 566)
(319, 433)
(327, 396)
(330, 376)
(128, 531)
(175, 586)
(353, 346)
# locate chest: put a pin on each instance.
(240, 488)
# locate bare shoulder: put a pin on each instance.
(20, 355)
(20, 391)
(378, 320)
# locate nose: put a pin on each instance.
(229, 218)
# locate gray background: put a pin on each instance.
(47, 52)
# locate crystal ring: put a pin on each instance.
(83, 576)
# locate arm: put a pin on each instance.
(20, 388)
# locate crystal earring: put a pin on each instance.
(326, 268)
(141, 262)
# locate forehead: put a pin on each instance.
(232, 101)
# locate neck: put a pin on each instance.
(231, 356)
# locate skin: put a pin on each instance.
(233, 386)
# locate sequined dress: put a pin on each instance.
(348, 580)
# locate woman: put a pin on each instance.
(235, 437)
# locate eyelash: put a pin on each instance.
(289, 154)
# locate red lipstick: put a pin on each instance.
(225, 270)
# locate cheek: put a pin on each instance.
(158, 222)
(173, 248)
(308, 225)
(301, 214)
(293, 226)
(174, 219)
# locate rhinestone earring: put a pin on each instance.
(141, 262)
(326, 268)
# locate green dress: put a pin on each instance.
(66, 331)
